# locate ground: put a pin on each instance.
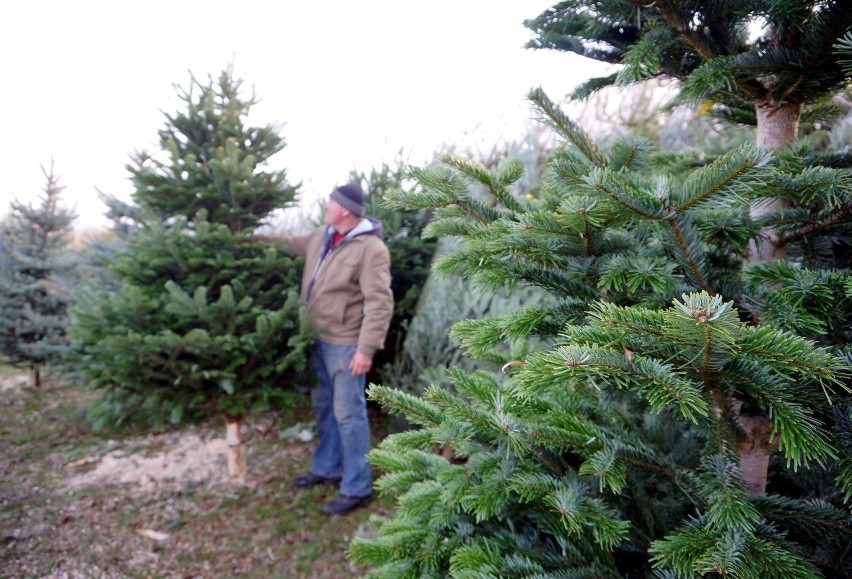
(75, 503)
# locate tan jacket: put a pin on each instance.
(351, 300)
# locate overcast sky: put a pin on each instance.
(87, 82)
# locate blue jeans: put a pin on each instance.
(340, 407)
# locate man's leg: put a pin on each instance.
(350, 413)
(328, 461)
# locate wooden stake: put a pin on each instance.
(236, 451)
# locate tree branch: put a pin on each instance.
(839, 217)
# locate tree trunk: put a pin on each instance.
(35, 377)
(236, 451)
(777, 124)
(777, 127)
(756, 448)
(753, 437)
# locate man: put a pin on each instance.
(346, 285)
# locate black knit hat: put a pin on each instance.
(351, 197)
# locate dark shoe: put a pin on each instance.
(345, 504)
(311, 479)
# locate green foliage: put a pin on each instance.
(34, 280)
(797, 56)
(203, 317)
(212, 160)
(635, 439)
(427, 349)
(844, 48)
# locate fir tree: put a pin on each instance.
(34, 292)
(427, 349)
(771, 79)
(205, 319)
(639, 440)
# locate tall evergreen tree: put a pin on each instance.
(206, 319)
(427, 350)
(34, 292)
(771, 78)
(659, 431)
(769, 63)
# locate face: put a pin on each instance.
(334, 213)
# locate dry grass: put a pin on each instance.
(57, 519)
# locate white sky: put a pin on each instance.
(87, 82)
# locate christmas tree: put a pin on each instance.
(689, 412)
(768, 63)
(206, 319)
(34, 269)
(684, 414)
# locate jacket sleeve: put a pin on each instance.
(375, 282)
(298, 245)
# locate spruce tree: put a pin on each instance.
(34, 269)
(206, 319)
(686, 415)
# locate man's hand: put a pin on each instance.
(360, 364)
